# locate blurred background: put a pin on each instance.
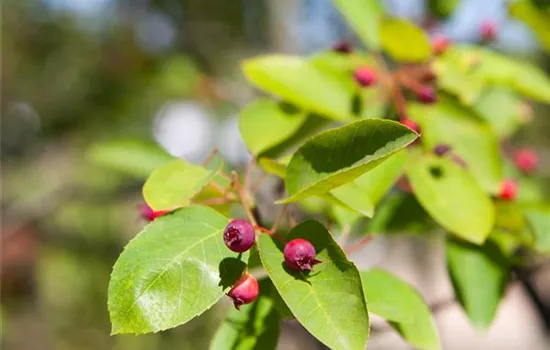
(90, 88)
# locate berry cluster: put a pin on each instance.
(239, 236)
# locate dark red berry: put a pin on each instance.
(441, 150)
(440, 44)
(239, 235)
(365, 76)
(410, 124)
(300, 255)
(488, 30)
(508, 189)
(343, 46)
(244, 291)
(427, 95)
(147, 213)
(526, 159)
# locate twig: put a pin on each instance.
(210, 156)
(241, 195)
(362, 242)
(279, 218)
(247, 175)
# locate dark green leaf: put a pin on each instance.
(338, 156)
(364, 17)
(403, 40)
(329, 301)
(452, 197)
(133, 157)
(479, 275)
(298, 81)
(255, 326)
(174, 184)
(176, 268)
(265, 123)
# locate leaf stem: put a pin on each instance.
(210, 157)
(362, 242)
(242, 197)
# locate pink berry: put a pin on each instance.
(526, 159)
(488, 30)
(410, 124)
(239, 235)
(244, 291)
(343, 46)
(147, 213)
(427, 95)
(508, 189)
(365, 76)
(300, 255)
(440, 44)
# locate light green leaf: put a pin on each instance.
(272, 166)
(174, 184)
(452, 197)
(403, 40)
(536, 19)
(133, 157)
(298, 81)
(474, 142)
(538, 218)
(364, 17)
(501, 109)
(397, 301)
(340, 155)
(329, 301)
(255, 326)
(266, 123)
(176, 268)
(479, 275)
(354, 197)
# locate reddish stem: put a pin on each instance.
(362, 242)
(242, 197)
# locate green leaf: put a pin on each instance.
(176, 268)
(442, 8)
(536, 19)
(329, 301)
(502, 109)
(255, 326)
(364, 17)
(538, 218)
(133, 157)
(298, 81)
(479, 275)
(388, 296)
(397, 301)
(340, 155)
(355, 198)
(452, 197)
(474, 142)
(404, 41)
(265, 123)
(272, 166)
(174, 184)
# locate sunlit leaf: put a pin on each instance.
(538, 217)
(452, 197)
(403, 40)
(329, 301)
(176, 268)
(364, 17)
(502, 109)
(337, 156)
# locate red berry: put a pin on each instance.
(365, 76)
(343, 46)
(440, 44)
(488, 30)
(300, 255)
(244, 291)
(441, 150)
(526, 159)
(149, 214)
(410, 124)
(239, 235)
(508, 189)
(427, 95)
